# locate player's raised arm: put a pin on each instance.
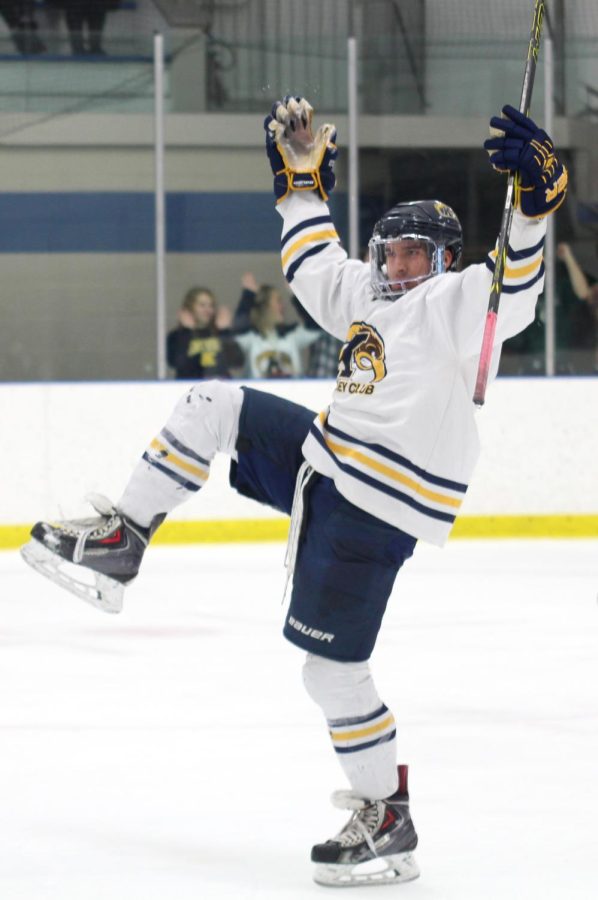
(536, 187)
(517, 146)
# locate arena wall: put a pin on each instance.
(536, 476)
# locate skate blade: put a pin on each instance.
(382, 870)
(100, 591)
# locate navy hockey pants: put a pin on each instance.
(347, 560)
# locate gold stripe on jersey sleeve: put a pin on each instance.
(510, 272)
(330, 234)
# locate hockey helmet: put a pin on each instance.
(432, 224)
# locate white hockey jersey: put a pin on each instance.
(399, 438)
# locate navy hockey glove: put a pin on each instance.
(517, 145)
(299, 160)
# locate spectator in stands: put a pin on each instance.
(20, 19)
(85, 20)
(322, 361)
(272, 349)
(249, 288)
(202, 346)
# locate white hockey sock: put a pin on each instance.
(177, 462)
(362, 728)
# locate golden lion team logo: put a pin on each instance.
(361, 360)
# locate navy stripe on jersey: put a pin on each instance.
(396, 457)
(514, 255)
(317, 220)
(386, 489)
(311, 252)
(516, 288)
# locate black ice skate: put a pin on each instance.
(376, 844)
(107, 550)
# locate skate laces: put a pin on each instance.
(364, 822)
(99, 529)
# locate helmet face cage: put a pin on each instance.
(380, 247)
(429, 222)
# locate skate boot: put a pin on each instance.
(376, 844)
(107, 550)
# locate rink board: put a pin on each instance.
(536, 476)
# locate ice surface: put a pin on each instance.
(170, 752)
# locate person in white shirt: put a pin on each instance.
(272, 348)
(387, 464)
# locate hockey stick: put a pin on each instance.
(507, 217)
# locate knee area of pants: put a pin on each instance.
(339, 688)
(212, 400)
(207, 395)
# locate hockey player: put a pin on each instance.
(385, 465)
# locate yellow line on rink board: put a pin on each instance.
(222, 531)
(263, 530)
(556, 526)
(12, 536)
(213, 531)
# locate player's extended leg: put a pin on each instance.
(108, 548)
(262, 434)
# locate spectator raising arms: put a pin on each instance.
(249, 288)
(202, 346)
(273, 349)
